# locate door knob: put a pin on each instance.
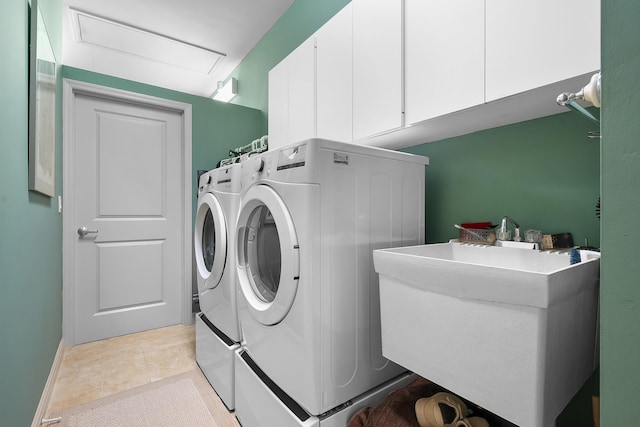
(83, 231)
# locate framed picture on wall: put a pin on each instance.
(42, 106)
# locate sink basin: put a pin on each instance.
(513, 330)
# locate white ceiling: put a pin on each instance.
(184, 45)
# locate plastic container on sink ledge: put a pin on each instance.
(477, 232)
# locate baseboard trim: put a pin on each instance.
(45, 399)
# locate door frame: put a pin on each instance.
(72, 88)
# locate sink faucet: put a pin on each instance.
(505, 234)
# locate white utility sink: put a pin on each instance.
(513, 330)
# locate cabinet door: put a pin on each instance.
(292, 102)
(530, 44)
(377, 67)
(279, 105)
(444, 57)
(334, 77)
(302, 93)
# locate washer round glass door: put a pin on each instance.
(268, 260)
(210, 242)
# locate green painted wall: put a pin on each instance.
(30, 230)
(217, 127)
(545, 174)
(620, 285)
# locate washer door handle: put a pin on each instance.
(83, 231)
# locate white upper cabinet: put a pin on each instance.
(530, 44)
(394, 73)
(279, 105)
(302, 91)
(377, 67)
(334, 77)
(444, 57)
(292, 106)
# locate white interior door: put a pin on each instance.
(127, 173)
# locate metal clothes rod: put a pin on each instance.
(573, 105)
(591, 93)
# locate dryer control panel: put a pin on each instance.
(292, 157)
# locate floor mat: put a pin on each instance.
(182, 400)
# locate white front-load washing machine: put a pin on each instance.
(217, 327)
(310, 217)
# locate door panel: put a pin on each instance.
(128, 187)
(127, 276)
(123, 142)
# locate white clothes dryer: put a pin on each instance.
(308, 305)
(217, 327)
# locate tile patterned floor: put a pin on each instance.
(98, 369)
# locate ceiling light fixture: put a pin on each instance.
(226, 91)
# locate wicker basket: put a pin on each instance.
(486, 236)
